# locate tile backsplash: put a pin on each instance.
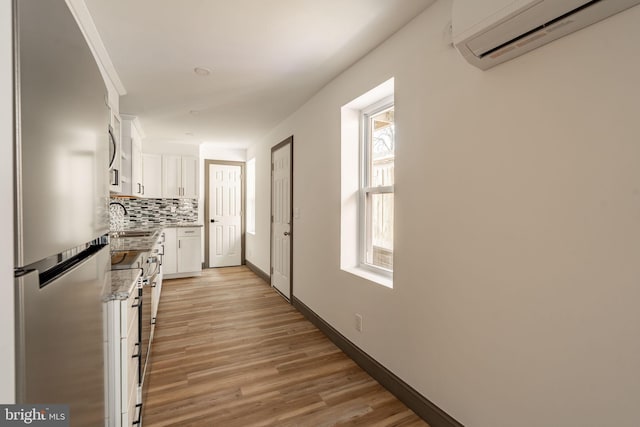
(142, 212)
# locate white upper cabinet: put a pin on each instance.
(131, 176)
(179, 177)
(136, 163)
(171, 176)
(152, 175)
(190, 177)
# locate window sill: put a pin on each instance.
(371, 276)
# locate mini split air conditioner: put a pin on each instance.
(489, 32)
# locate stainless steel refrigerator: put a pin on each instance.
(61, 212)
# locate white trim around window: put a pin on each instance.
(353, 193)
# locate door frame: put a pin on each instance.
(275, 148)
(207, 221)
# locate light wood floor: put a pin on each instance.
(229, 351)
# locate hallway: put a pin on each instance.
(229, 351)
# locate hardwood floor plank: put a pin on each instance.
(229, 351)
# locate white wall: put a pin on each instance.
(162, 147)
(7, 322)
(517, 279)
(212, 151)
(257, 249)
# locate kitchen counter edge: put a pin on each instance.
(123, 282)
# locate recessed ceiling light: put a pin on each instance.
(202, 71)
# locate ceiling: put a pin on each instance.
(267, 57)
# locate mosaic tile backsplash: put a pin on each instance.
(143, 212)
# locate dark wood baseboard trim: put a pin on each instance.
(425, 409)
(264, 276)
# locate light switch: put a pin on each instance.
(296, 213)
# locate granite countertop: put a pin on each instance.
(123, 282)
(160, 226)
(182, 224)
(135, 243)
(143, 243)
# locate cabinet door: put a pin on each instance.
(171, 176)
(170, 260)
(126, 145)
(189, 177)
(152, 175)
(189, 254)
(115, 171)
(136, 162)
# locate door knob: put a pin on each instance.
(213, 220)
(286, 233)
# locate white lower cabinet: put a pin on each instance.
(183, 253)
(189, 259)
(170, 258)
(123, 348)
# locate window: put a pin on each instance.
(251, 196)
(367, 154)
(376, 186)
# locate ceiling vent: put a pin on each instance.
(490, 32)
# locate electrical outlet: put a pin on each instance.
(358, 322)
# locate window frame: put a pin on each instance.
(365, 190)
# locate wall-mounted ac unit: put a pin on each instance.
(489, 32)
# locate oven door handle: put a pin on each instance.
(153, 260)
(151, 279)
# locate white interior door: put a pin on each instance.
(225, 211)
(281, 220)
